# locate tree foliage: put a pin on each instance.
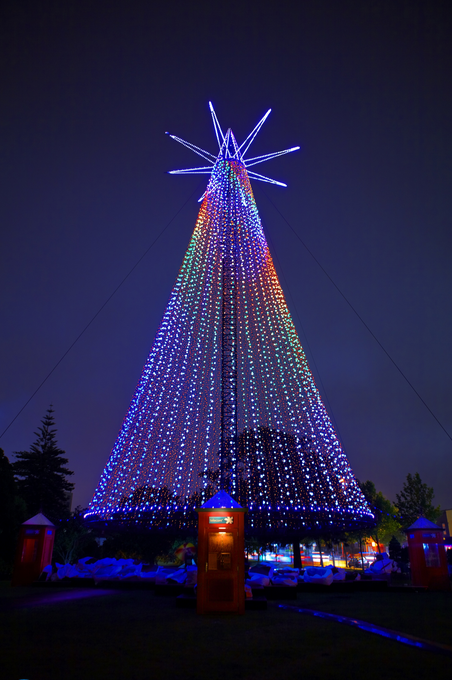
(415, 500)
(73, 540)
(8, 492)
(139, 546)
(12, 513)
(41, 473)
(387, 523)
(395, 549)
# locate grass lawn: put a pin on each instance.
(135, 635)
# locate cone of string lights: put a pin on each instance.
(226, 399)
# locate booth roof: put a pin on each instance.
(221, 500)
(423, 523)
(39, 520)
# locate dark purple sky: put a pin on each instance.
(88, 90)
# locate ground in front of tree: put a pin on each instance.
(136, 635)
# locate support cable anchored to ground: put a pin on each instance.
(100, 310)
(359, 316)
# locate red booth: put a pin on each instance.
(34, 550)
(221, 556)
(427, 555)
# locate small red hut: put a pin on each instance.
(427, 555)
(221, 556)
(34, 550)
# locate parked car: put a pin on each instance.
(357, 563)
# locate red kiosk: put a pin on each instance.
(34, 550)
(221, 556)
(427, 555)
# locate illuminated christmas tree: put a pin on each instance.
(226, 399)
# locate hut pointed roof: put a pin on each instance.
(39, 520)
(221, 500)
(423, 523)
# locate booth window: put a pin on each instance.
(431, 554)
(220, 552)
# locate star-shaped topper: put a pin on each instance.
(230, 150)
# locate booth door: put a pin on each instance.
(221, 575)
(30, 550)
(28, 568)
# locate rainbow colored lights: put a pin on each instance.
(287, 465)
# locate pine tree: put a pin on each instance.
(415, 500)
(41, 473)
(395, 549)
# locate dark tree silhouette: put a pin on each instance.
(41, 473)
(415, 500)
(12, 514)
(395, 549)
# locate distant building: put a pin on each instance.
(445, 522)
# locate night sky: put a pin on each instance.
(364, 87)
